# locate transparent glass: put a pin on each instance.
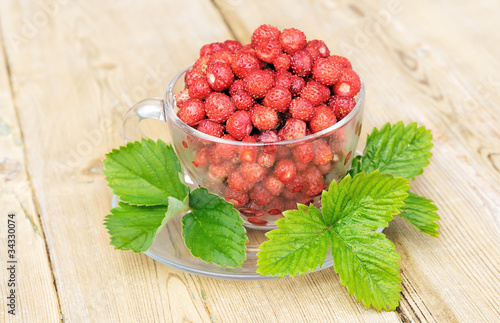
(208, 161)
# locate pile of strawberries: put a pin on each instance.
(279, 87)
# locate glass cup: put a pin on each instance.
(261, 179)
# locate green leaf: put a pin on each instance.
(134, 227)
(145, 173)
(421, 213)
(397, 150)
(298, 246)
(365, 260)
(213, 230)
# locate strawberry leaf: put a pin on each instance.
(421, 213)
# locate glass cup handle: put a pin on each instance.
(151, 108)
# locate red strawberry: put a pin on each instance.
(239, 124)
(219, 76)
(325, 169)
(252, 172)
(273, 184)
(213, 157)
(314, 182)
(296, 184)
(248, 153)
(238, 198)
(255, 220)
(182, 97)
(263, 33)
(259, 82)
(266, 159)
(320, 46)
(192, 112)
(264, 118)
(301, 108)
(268, 137)
(348, 84)
(297, 85)
(284, 79)
(212, 48)
(201, 64)
(293, 129)
(237, 182)
(302, 63)
(220, 171)
(260, 195)
(278, 98)
(201, 159)
(276, 206)
(232, 45)
(242, 100)
(243, 63)
(218, 107)
(315, 92)
(223, 56)
(199, 89)
(282, 152)
(236, 87)
(301, 166)
(323, 118)
(315, 54)
(303, 153)
(268, 50)
(226, 151)
(325, 71)
(341, 105)
(282, 62)
(285, 170)
(193, 75)
(340, 61)
(292, 40)
(322, 152)
(211, 128)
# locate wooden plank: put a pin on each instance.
(76, 68)
(421, 63)
(31, 277)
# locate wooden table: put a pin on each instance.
(69, 70)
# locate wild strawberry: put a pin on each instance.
(322, 152)
(260, 194)
(278, 98)
(232, 45)
(315, 54)
(259, 82)
(256, 220)
(211, 128)
(348, 84)
(220, 171)
(320, 46)
(282, 152)
(315, 92)
(264, 118)
(247, 48)
(212, 48)
(302, 63)
(288, 195)
(242, 101)
(182, 97)
(276, 206)
(290, 204)
(266, 159)
(325, 71)
(285, 170)
(223, 56)
(303, 153)
(296, 184)
(201, 159)
(314, 182)
(301, 108)
(226, 151)
(323, 118)
(199, 89)
(218, 107)
(239, 124)
(236, 87)
(282, 62)
(237, 182)
(273, 184)
(252, 172)
(201, 64)
(341, 105)
(283, 79)
(238, 198)
(301, 166)
(248, 153)
(325, 169)
(297, 84)
(192, 112)
(219, 76)
(193, 75)
(293, 129)
(263, 33)
(268, 50)
(292, 40)
(243, 63)
(213, 157)
(340, 61)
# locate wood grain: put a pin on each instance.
(422, 63)
(32, 278)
